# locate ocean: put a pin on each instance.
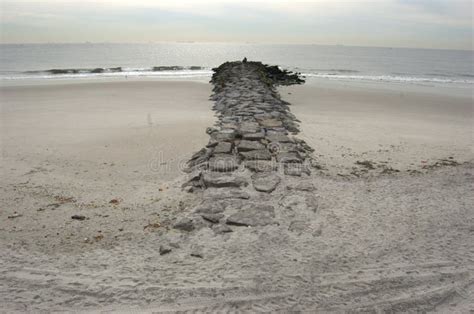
(196, 60)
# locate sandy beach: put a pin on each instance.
(393, 181)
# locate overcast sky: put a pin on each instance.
(393, 23)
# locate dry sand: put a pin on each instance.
(398, 240)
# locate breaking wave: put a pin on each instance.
(390, 78)
(184, 72)
(155, 71)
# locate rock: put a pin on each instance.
(184, 224)
(294, 202)
(261, 154)
(210, 130)
(287, 148)
(221, 136)
(76, 217)
(193, 180)
(299, 226)
(197, 251)
(288, 158)
(210, 207)
(253, 215)
(261, 165)
(297, 202)
(254, 136)
(189, 189)
(200, 157)
(199, 154)
(222, 148)
(245, 146)
(302, 186)
(165, 249)
(213, 218)
(224, 193)
(265, 182)
(278, 137)
(223, 163)
(293, 170)
(249, 127)
(270, 123)
(312, 202)
(221, 180)
(219, 229)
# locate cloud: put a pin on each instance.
(356, 22)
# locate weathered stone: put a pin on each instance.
(261, 154)
(254, 136)
(265, 181)
(287, 147)
(184, 224)
(214, 218)
(299, 226)
(210, 207)
(302, 186)
(198, 154)
(245, 146)
(222, 148)
(294, 202)
(249, 127)
(292, 170)
(297, 202)
(296, 169)
(270, 123)
(193, 178)
(288, 158)
(197, 251)
(278, 137)
(165, 249)
(225, 193)
(222, 136)
(253, 215)
(222, 180)
(223, 163)
(261, 165)
(219, 229)
(199, 157)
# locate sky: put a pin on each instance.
(445, 24)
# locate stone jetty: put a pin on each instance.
(252, 153)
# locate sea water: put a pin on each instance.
(196, 60)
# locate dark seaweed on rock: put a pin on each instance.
(271, 75)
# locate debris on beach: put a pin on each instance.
(78, 217)
(115, 201)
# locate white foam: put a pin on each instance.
(127, 73)
(387, 78)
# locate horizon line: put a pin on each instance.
(230, 42)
